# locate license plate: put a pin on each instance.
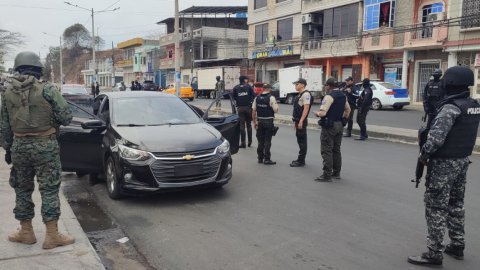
(188, 170)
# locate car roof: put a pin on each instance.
(123, 94)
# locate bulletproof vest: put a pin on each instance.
(263, 106)
(335, 113)
(362, 100)
(243, 97)
(435, 90)
(31, 116)
(461, 138)
(297, 109)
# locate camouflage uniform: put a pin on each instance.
(219, 89)
(36, 156)
(445, 193)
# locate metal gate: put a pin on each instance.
(424, 75)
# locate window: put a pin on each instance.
(135, 60)
(170, 54)
(285, 29)
(470, 14)
(144, 60)
(260, 4)
(261, 33)
(378, 14)
(341, 21)
(428, 9)
(280, 1)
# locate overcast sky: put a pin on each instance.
(136, 18)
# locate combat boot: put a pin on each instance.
(53, 238)
(454, 251)
(297, 163)
(324, 178)
(347, 134)
(25, 235)
(425, 260)
(336, 175)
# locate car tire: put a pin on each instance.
(376, 104)
(191, 99)
(397, 108)
(289, 100)
(113, 185)
(212, 95)
(79, 174)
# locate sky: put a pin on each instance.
(135, 18)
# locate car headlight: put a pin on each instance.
(224, 148)
(132, 154)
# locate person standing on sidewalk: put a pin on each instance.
(351, 91)
(219, 89)
(264, 107)
(301, 109)
(244, 95)
(364, 102)
(93, 88)
(333, 112)
(32, 111)
(97, 90)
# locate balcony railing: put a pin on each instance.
(125, 63)
(312, 45)
(422, 31)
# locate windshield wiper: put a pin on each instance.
(130, 125)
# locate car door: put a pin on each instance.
(228, 124)
(81, 149)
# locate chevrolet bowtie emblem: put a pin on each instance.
(188, 157)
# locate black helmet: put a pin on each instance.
(459, 75)
(242, 79)
(218, 78)
(366, 82)
(27, 59)
(437, 72)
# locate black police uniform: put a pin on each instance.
(434, 92)
(301, 133)
(363, 104)
(244, 95)
(265, 116)
(352, 102)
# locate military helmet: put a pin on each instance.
(437, 72)
(459, 75)
(27, 59)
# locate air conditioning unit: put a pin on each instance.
(435, 16)
(312, 19)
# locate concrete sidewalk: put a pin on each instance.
(80, 255)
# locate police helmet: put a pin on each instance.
(437, 72)
(218, 78)
(459, 75)
(27, 59)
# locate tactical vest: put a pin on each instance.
(362, 100)
(264, 110)
(461, 138)
(297, 109)
(335, 113)
(435, 90)
(243, 97)
(35, 117)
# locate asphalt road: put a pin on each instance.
(277, 217)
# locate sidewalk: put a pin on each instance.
(80, 255)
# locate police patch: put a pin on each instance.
(307, 98)
(323, 102)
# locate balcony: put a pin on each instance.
(326, 48)
(125, 63)
(169, 39)
(378, 40)
(426, 35)
(167, 63)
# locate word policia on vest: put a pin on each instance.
(473, 111)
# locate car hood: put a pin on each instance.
(181, 138)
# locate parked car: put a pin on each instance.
(186, 91)
(149, 86)
(258, 87)
(77, 93)
(388, 95)
(144, 142)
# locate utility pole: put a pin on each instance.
(177, 51)
(61, 56)
(93, 49)
(113, 67)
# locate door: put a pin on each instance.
(81, 149)
(346, 72)
(357, 73)
(228, 125)
(424, 75)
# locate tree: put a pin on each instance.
(2, 62)
(10, 41)
(52, 59)
(78, 40)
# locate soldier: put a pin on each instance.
(264, 107)
(334, 112)
(351, 91)
(364, 102)
(219, 89)
(244, 95)
(449, 144)
(433, 92)
(31, 114)
(301, 109)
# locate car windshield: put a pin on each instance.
(74, 91)
(389, 85)
(152, 111)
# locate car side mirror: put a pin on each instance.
(216, 119)
(93, 124)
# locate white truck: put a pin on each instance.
(204, 83)
(312, 74)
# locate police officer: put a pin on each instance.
(264, 107)
(333, 112)
(449, 144)
(244, 95)
(434, 91)
(363, 104)
(31, 114)
(352, 93)
(219, 89)
(301, 109)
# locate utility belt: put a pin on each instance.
(273, 128)
(39, 138)
(326, 123)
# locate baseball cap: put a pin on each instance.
(332, 82)
(300, 80)
(349, 79)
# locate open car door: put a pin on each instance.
(228, 123)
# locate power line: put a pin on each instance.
(110, 6)
(19, 6)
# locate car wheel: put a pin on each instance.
(376, 104)
(112, 181)
(289, 99)
(212, 95)
(81, 174)
(397, 108)
(195, 94)
(191, 99)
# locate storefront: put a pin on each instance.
(357, 67)
(269, 61)
(391, 66)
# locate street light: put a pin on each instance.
(61, 57)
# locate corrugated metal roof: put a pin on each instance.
(215, 9)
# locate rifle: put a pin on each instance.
(422, 139)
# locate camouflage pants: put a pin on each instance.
(218, 104)
(36, 156)
(444, 200)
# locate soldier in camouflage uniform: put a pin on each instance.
(31, 114)
(219, 89)
(449, 144)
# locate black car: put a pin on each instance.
(149, 86)
(149, 142)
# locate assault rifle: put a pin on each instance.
(422, 139)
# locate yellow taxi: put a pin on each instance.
(186, 91)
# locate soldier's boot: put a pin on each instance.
(454, 251)
(336, 175)
(300, 162)
(269, 162)
(25, 235)
(53, 238)
(324, 178)
(362, 133)
(425, 260)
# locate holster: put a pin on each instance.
(326, 123)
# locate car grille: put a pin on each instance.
(182, 154)
(164, 170)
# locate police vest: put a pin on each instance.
(243, 97)
(335, 113)
(264, 109)
(461, 138)
(297, 109)
(31, 116)
(435, 90)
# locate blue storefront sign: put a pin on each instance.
(273, 52)
(391, 76)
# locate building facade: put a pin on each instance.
(107, 70)
(141, 58)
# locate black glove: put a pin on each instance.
(8, 157)
(425, 106)
(344, 121)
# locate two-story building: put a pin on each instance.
(106, 68)
(138, 63)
